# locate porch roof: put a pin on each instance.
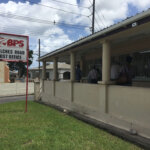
(128, 23)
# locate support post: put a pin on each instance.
(55, 73)
(106, 60)
(72, 78)
(43, 74)
(72, 60)
(27, 80)
(44, 70)
(55, 69)
(39, 59)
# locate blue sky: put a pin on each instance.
(55, 36)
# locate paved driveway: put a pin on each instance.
(15, 98)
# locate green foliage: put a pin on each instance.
(43, 128)
(21, 66)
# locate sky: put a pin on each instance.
(58, 23)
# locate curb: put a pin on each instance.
(14, 95)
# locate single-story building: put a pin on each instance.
(124, 107)
(63, 68)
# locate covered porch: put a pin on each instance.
(125, 107)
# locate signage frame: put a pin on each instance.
(27, 61)
(27, 47)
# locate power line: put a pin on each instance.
(67, 3)
(56, 8)
(25, 18)
(98, 15)
(34, 35)
(96, 22)
(100, 19)
(103, 16)
(15, 31)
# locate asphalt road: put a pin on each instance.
(15, 98)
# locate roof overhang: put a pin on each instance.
(129, 23)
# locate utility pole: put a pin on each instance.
(39, 58)
(93, 17)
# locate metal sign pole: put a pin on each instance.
(27, 81)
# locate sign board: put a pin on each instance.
(13, 47)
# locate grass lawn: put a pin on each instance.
(44, 128)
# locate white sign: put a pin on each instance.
(13, 47)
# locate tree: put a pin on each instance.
(21, 66)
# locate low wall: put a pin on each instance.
(37, 96)
(10, 89)
(63, 90)
(86, 95)
(47, 91)
(127, 108)
(131, 104)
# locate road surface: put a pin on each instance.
(15, 98)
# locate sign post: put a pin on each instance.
(27, 80)
(15, 48)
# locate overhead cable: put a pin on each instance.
(56, 8)
(97, 15)
(96, 21)
(100, 19)
(16, 31)
(66, 3)
(26, 18)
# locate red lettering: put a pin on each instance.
(9, 42)
(15, 43)
(21, 43)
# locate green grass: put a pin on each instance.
(44, 128)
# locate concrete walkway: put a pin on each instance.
(15, 98)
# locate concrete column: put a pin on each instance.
(44, 70)
(106, 60)
(72, 60)
(55, 69)
(43, 74)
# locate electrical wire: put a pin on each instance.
(96, 22)
(67, 3)
(103, 16)
(55, 8)
(15, 31)
(95, 27)
(98, 15)
(100, 19)
(25, 18)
